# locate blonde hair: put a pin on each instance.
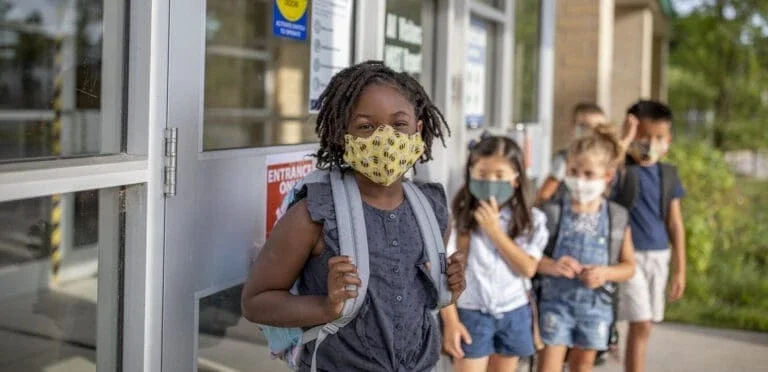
(602, 141)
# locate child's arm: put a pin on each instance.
(265, 297)
(596, 276)
(677, 234)
(566, 267)
(487, 216)
(453, 332)
(457, 264)
(547, 190)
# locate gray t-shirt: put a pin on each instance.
(394, 330)
(559, 166)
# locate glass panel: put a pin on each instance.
(526, 74)
(256, 84)
(498, 4)
(404, 38)
(50, 79)
(478, 83)
(49, 250)
(229, 342)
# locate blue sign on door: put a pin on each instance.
(290, 19)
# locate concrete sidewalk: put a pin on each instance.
(678, 347)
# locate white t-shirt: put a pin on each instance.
(493, 287)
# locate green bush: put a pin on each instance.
(727, 242)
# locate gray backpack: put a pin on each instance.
(353, 241)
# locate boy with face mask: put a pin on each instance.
(656, 221)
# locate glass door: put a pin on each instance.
(241, 74)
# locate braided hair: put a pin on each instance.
(344, 90)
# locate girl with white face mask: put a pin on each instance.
(590, 250)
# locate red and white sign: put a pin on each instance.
(283, 171)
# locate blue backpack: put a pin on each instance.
(287, 343)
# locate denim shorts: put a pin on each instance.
(583, 325)
(510, 334)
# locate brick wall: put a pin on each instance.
(631, 59)
(576, 60)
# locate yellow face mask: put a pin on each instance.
(384, 156)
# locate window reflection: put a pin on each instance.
(49, 250)
(526, 73)
(50, 79)
(229, 342)
(256, 84)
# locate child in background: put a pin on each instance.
(656, 220)
(586, 116)
(395, 329)
(589, 251)
(491, 326)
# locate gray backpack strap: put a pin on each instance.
(353, 241)
(618, 219)
(434, 246)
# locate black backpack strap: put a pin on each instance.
(669, 181)
(627, 187)
(554, 212)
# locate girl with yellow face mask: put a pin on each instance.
(374, 124)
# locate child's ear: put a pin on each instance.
(419, 126)
(610, 175)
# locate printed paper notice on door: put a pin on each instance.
(331, 47)
(283, 171)
(474, 74)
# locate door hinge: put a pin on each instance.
(169, 174)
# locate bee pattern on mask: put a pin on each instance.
(384, 156)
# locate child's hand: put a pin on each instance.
(568, 267)
(341, 272)
(676, 287)
(453, 334)
(487, 215)
(630, 129)
(593, 276)
(456, 280)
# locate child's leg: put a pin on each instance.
(470, 365)
(481, 328)
(637, 344)
(581, 360)
(551, 358)
(642, 303)
(501, 363)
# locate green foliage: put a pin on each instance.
(727, 242)
(719, 64)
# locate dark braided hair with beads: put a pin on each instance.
(341, 95)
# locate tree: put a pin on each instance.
(719, 63)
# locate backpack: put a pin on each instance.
(669, 180)
(618, 220)
(286, 343)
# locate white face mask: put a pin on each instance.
(583, 190)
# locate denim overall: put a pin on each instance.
(571, 313)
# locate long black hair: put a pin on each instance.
(464, 204)
(341, 95)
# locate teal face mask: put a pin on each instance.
(502, 191)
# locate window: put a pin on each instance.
(409, 29)
(526, 53)
(256, 84)
(478, 75)
(48, 281)
(51, 99)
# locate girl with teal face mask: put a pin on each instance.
(492, 324)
